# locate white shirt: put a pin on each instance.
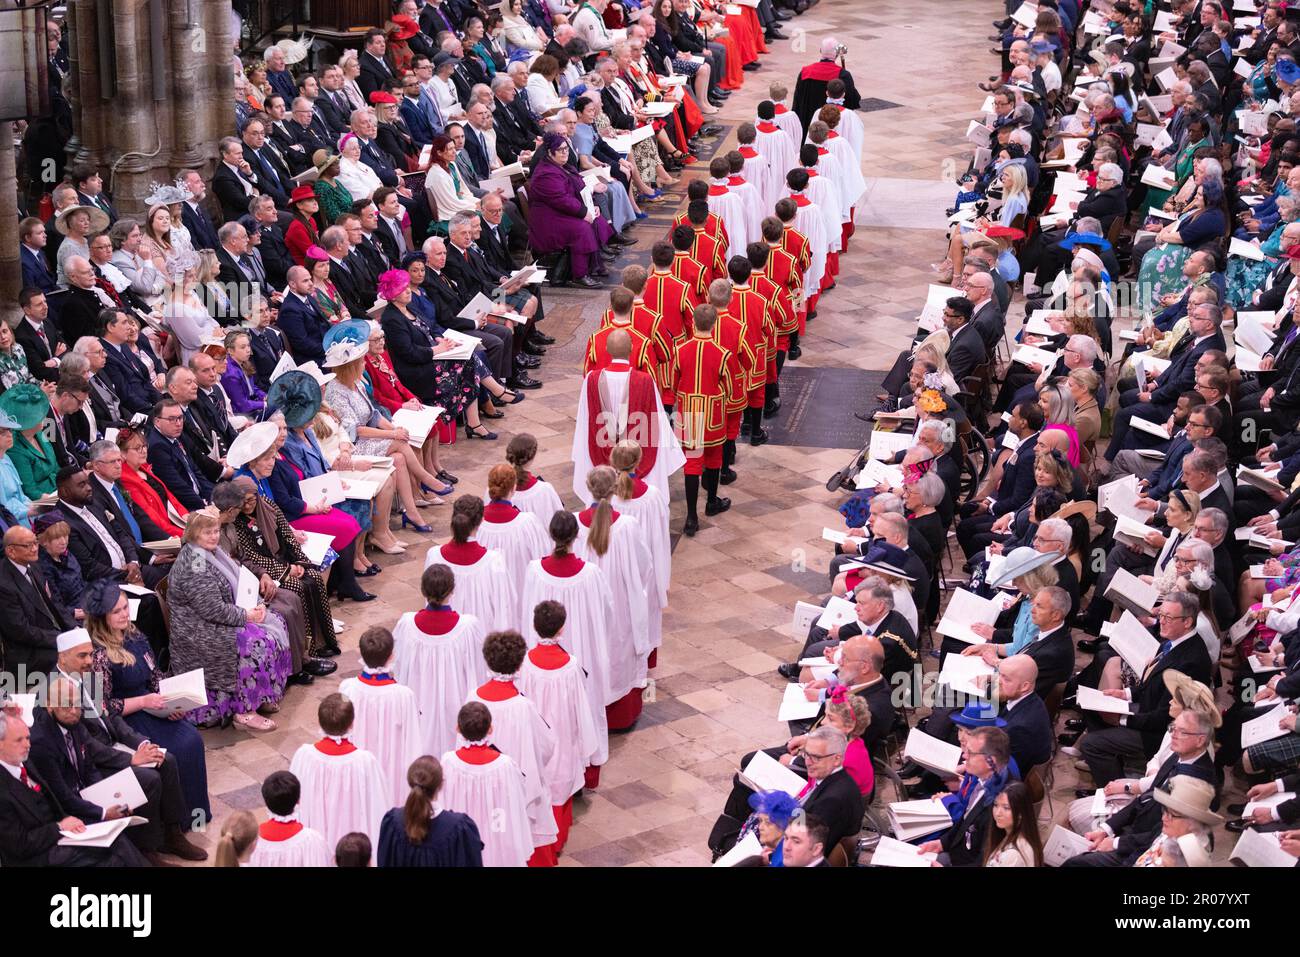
(115, 553)
(248, 187)
(15, 769)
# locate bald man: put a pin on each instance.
(31, 616)
(810, 90)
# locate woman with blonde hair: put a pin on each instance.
(1083, 384)
(936, 354)
(616, 544)
(238, 840)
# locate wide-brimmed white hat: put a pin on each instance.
(295, 51)
(341, 353)
(1019, 561)
(251, 443)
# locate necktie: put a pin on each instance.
(268, 169)
(189, 469)
(131, 523)
(523, 95)
(246, 263)
(807, 789)
(1160, 653)
(45, 340)
(1170, 553)
(72, 755)
(22, 776)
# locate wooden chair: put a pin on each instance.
(844, 854)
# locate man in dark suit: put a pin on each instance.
(876, 617)
(332, 105)
(237, 272)
(301, 320)
(273, 177)
(82, 303)
(70, 759)
(90, 190)
(1015, 486)
(1156, 402)
(102, 544)
(209, 405)
(31, 618)
(31, 246)
(366, 252)
(988, 753)
(38, 335)
(202, 439)
(1138, 734)
(358, 295)
(1130, 830)
(831, 794)
(450, 298)
(235, 181)
(276, 258)
(184, 477)
(307, 133)
(1052, 649)
(413, 112)
(129, 376)
(985, 314)
(268, 348)
(966, 348)
(203, 232)
(70, 436)
(105, 467)
(31, 817)
(375, 71)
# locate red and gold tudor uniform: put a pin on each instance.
(709, 378)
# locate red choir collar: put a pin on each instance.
(621, 364)
(781, 108)
(279, 830)
(549, 657)
(767, 127)
(499, 513)
(376, 679)
(478, 754)
(589, 513)
(748, 152)
(462, 553)
(335, 748)
(565, 567)
(735, 181)
(496, 690)
(717, 190)
(831, 135)
(529, 481)
(800, 199)
(811, 172)
(823, 151)
(436, 621)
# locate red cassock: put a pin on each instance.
(662, 348)
(693, 274)
(597, 356)
(708, 376)
(800, 249)
(755, 322)
(713, 226)
(642, 405)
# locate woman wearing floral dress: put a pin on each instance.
(13, 360)
(326, 293)
(335, 200)
(1246, 276)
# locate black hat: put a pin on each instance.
(101, 597)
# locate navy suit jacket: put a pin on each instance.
(304, 328)
(36, 271)
(375, 158)
(1170, 472)
(477, 155)
(135, 390)
(96, 761)
(167, 459)
(282, 83)
(202, 230)
(417, 124)
(1180, 377)
(1030, 731)
(268, 347)
(1017, 478)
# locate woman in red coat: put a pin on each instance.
(303, 232)
(144, 488)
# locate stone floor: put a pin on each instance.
(714, 695)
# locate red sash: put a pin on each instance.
(642, 399)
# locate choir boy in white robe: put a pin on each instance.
(850, 123)
(828, 165)
(552, 678)
(283, 840)
(387, 718)
(342, 786)
(774, 143)
(521, 732)
(808, 219)
(758, 168)
(584, 591)
(728, 206)
(752, 202)
(532, 493)
(520, 537)
(783, 116)
(480, 781)
(484, 587)
(826, 194)
(854, 184)
(438, 654)
(649, 506)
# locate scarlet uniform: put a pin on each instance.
(598, 357)
(671, 298)
(710, 253)
(661, 345)
(729, 332)
(693, 274)
(708, 378)
(800, 249)
(756, 325)
(780, 309)
(714, 226)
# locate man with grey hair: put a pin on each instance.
(105, 465)
(877, 616)
(105, 408)
(450, 298)
(234, 181)
(986, 317)
(1051, 647)
(357, 294)
(1136, 735)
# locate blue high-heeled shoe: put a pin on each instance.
(409, 523)
(642, 215)
(447, 491)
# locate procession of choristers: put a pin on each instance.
(479, 717)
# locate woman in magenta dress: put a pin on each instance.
(559, 219)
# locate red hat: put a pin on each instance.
(406, 27)
(1004, 232)
(300, 193)
(379, 96)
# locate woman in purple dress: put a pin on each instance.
(559, 219)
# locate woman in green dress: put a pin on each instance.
(32, 455)
(1203, 224)
(334, 198)
(326, 295)
(1198, 136)
(1245, 276)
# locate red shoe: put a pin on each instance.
(689, 159)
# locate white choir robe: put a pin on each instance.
(730, 208)
(782, 155)
(341, 793)
(810, 221)
(853, 184)
(650, 509)
(306, 848)
(628, 568)
(441, 670)
(851, 129)
(538, 499)
(520, 732)
(828, 167)
(485, 589)
(826, 195)
(520, 541)
(752, 204)
(589, 607)
(387, 724)
(758, 172)
(493, 795)
(789, 121)
(561, 696)
(669, 457)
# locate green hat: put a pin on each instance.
(25, 404)
(297, 395)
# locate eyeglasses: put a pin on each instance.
(1172, 814)
(809, 756)
(1163, 616)
(171, 418)
(1198, 425)
(1186, 734)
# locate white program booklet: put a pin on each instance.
(99, 834)
(795, 706)
(1264, 728)
(246, 596)
(747, 846)
(893, 853)
(183, 692)
(1133, 643)
(1261, 849)
(765, 773)
(1062, 845)
(418, 422)
(328, 487)
(119, 788)
(838, 611)
(931, 752)
(966, 608)
(1090, 699)
(1132, 592)
(962, 673)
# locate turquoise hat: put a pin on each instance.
(296, 394)
(25, 405)
(354, 330)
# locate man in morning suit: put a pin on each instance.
(185, 478)
(301, 320)
(31, 618)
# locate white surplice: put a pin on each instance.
(520, 732)
(561, 697)
(629, 569)
(789, 121)
(853, 184)
(730, 208)
(669, 457)
(538, 499)
(387, 724)
(828, 167)
(485, 589)
(781, 154)
(752, 202)
(493, 795)
(650, 509)
(341, 793)
(809, 221)
(441, 670)
(759, 173)
(307, 848)
(852, 130)
(589, 608)
(823, 191)
(520, 541)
